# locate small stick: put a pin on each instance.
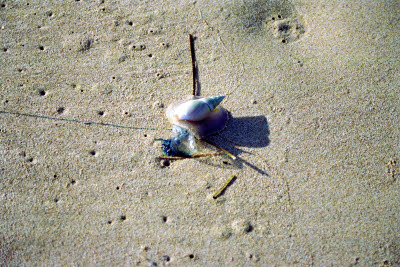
(191, 39)
(224, 186)
(220, 148)
(191, 157)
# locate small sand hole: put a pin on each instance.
(109, 222)
(5, 49)
(165, 258)
(42, 92)
(2, 5)
(150, 55)
(283, 41)
(100, 112)
(56, 200)
(249, 229)
(92, 152)
(191, 256)
(122, 218)
(164, 219)
(165, 163)
(60, 110)
(41, 48)
(86, 44)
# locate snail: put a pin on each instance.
(195, 117)
(201, 116)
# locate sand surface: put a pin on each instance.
(313, 91)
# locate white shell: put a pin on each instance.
(197, 109)
(200, 116)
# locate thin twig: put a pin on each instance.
(220, 148)
(194, 73)
(224, 186)
(192, 157)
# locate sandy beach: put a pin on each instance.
(313, 93)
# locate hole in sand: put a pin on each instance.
(165, 163)
(165, 258)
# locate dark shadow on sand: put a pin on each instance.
(248, 132)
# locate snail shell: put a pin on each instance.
(201, 116)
